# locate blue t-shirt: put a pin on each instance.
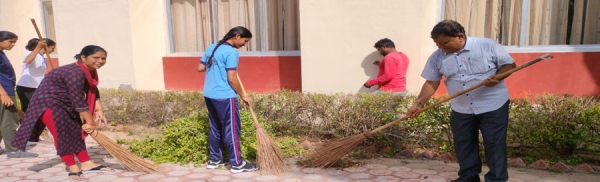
(216, 85)
(7, 75)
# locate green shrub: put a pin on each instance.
(331, 116)
(538, 124)
(149, 108)
(556, 122)
(591, 123)
(432, 127)
(186, 141)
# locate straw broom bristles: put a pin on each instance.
(268, 155)
(128, 160)
(333, 151)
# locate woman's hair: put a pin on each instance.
(89, 50)
(239, 30)
(33, 43)
(448, 28)
(5, 35)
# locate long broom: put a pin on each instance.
(48, 62)
(333, 151)
(269, 156)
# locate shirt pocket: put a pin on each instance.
(449, 67)
(482, 64)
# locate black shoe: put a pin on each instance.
(214, 164)
(469, 179)
(244, 167)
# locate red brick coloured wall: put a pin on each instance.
(258, 74)
(576, 73)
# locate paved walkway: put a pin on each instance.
(49, 167)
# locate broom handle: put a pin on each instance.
(497, 77)
(49, 61)
(256, 124)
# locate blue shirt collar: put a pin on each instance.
(468, 46)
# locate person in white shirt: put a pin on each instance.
(34, 70)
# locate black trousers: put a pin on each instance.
(493, 126)
(25, 94)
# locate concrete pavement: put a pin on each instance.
(48, 167)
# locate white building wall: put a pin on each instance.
(15, 17)
(133, 32)
(105, 23)
(338, 38)
(149, 40)
(336, 45)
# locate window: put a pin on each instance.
(495, 19)
(48, 22)
(560, 22)
(195, 24)
(547, 22)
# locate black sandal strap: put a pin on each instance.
(97, 168)
(78, 174)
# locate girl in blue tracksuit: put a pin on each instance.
(221, 87)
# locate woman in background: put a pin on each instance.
(34, 70)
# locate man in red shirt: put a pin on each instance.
(392, 69)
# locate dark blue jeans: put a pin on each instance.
(465, 129)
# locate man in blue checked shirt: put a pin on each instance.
(465, 62)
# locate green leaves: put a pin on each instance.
(186, 141)
(550, 123)
(560, 123)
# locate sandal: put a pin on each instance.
(98, 169)
(77, 175)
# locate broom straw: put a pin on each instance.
(127, 159)
(333, 151)
(269, 156)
